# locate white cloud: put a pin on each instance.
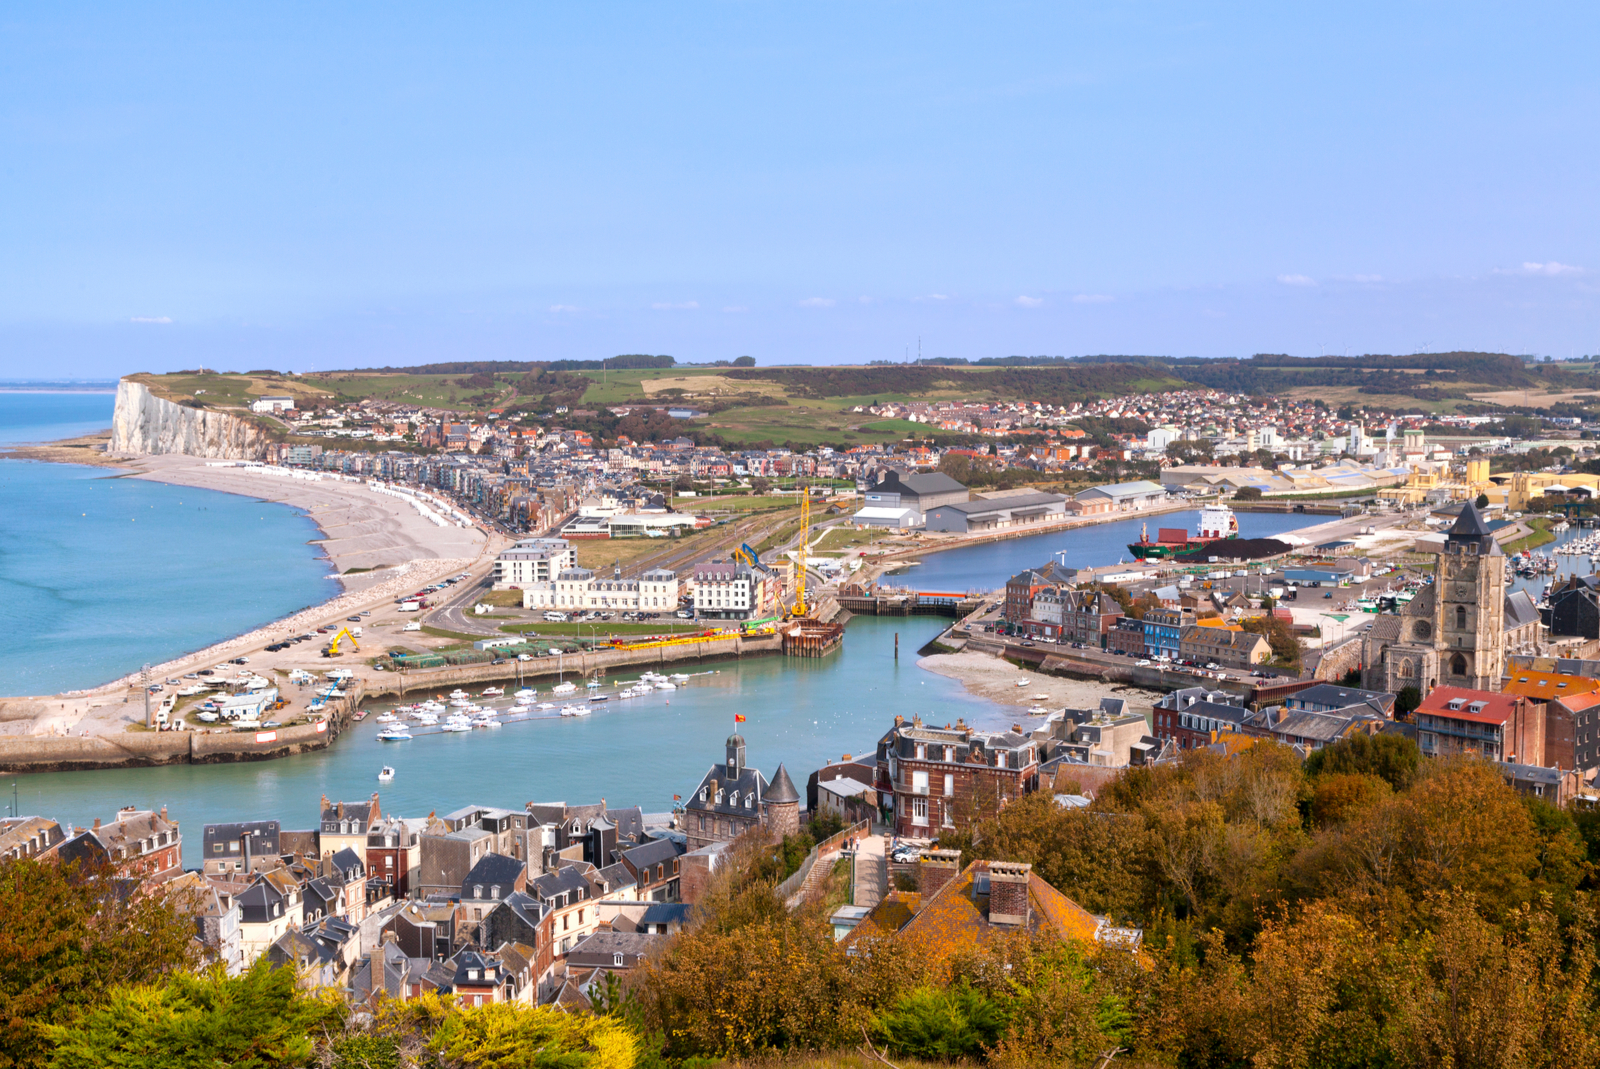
(735, 308)
(1551, 268)
(932, 297)
(1028, 302)
(151, 319)
(679, 306)
(1092, 298)
(863, 300)
(817, 302)
(1366, 278)
(564, 308)
(1297, 280)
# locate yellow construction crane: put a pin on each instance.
(332, 649)
(800, 606)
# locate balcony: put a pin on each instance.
(906, 787)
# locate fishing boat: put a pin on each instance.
(394, 733)
(385, 774)
(1216, 522)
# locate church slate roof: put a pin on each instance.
(1520, 610)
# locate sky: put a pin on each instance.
(311, 186)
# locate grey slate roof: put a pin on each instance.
(782, 787)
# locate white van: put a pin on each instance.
(410, 606)
(556, 617)
(414, 625)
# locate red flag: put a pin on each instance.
(738, 718)
(677, 798)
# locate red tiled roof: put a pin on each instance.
(1497, 708)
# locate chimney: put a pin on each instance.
(1008, 892)
(937, 868)
(96, 823)
(163, 812)
(246, 848)
(341, 810)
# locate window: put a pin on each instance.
(1461, 618)
(949, 784)
(1458, 665)
(919, 811)
(616, 959)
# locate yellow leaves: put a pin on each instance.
(507, 1035)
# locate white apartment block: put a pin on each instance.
(579, 588)
(533, 560)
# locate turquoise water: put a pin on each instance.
(100, 574)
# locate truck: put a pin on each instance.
(410, 606)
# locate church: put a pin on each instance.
(1456, 631)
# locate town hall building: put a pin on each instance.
(733, 798)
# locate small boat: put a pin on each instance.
(458, 693)
(666, 686)
(546, 705)
(526, 692)
(385, 774)
(207, 717)
(1024, 682)
(394, 733)
(1041, 697)
(562, 689)
(1038, 710)
(679, 677)
(386, 718)
(574, 710)
(593, 684)
(456, 725)
(599, 697)
(492, 692)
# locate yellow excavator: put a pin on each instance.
(332, 648)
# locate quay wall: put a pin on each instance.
(144, 423)
(147, 749)
(574, 665)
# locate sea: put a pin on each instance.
(100, 598)
(100, 574)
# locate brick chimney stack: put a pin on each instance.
(937, 868)
(1008, 892)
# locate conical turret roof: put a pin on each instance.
(781, 789)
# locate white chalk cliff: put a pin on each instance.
(144, 423)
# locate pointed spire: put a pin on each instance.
(1470, 523)
(781, 789)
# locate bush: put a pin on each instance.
(947, 1023)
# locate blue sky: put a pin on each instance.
(297, 187)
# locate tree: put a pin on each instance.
(1406, 700)
(760, 484)
(71, 933)
(253, 1021)
(744, 361)
(1392, 758)
(1482, 501)
(1247, 493)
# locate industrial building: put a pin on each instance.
(997, 513)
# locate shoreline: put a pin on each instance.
(376, 546)
(994, 679)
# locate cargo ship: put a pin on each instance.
(1215, 522)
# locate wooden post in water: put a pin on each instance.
(897, 645)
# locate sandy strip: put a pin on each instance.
(990, 677)
(361, 529)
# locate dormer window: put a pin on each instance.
(472, 974)
(494, 892)
(477, 890)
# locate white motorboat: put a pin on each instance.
(456, 724)
(679, 677)
(458, 693)
(492, 692)
(206, 717)
(666, 686)
(574, 710)
(599, 697)
(385, 774)
(427, 720)
(1038, 710)
(593, 684)
(394, 733)
(526, 692)
(546, 705)
(563, 689)
(386, 718)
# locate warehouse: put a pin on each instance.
(997, 513)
